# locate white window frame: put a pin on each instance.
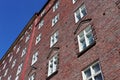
(55, 7)
(24, 52)
(19, 69)
(4, 65)
(38, 38)
(55, 19)
(27, 38)
(82, 37)
(0, 77)
(10, 58)
(79, 12)
(32, 77)
(6, 71)
(17, 78)
(34, 58)
(54, 38)
(92, 71)
(41, 23)
(53, 65)
(74, 1)
(13, 64)
(18, 49)
(9, 78)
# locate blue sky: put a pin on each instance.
(14, 15)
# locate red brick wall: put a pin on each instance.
(105, 20)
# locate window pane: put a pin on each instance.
(90, 38)
(90, 79)
(87, 73)
(83, 43)
(98, 77)
(96, 68)
(78, 15)
(83, 11)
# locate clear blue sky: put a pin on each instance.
(14, 15)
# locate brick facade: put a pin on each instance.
(104, 18)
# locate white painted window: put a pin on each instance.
(85, 38)
(80, 13)
(9, 78)
(93, 72)
(55, 19)
(6, 71)
(4, 61)
(8, 55)
(27, 38)
(42, 13)
(55, 7)
(14, 47)
(54, 38)
(22, 38)
(40, 24)
(0, 77)
(32, 77)
(34, 58)
(19, 69)
(10, 59)
(18, 49)
(14, 62)
(53, 65)
(74, 1)
(4, 65)
(23, 52)
(38, 38)
(17, 78)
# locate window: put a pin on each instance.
(4, 61)
(6, 71)
(54, 38)
(40, 24)
(27, 38)
(17, 78)
(14, 62)
(55, 7)
(18, 49)
(19, 69)
(53, 65)
(32, 77)
(14, 48)
(0, 78)
(55, 19)
(80, 13)
(74, 1)
(23, 52)
(34, 58)
(9, 78)
(93, 72)
(43, 12)
(85, 38)
(4, 66)
(38, 38)
(10, 59)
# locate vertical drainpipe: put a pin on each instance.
(27, 57)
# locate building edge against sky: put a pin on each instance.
(67, 40)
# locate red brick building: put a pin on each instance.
(67, 40)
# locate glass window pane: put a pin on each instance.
(88, 73)
(90, 79)
(83, 10)
(96, 68)
(90, 38)
(98, 77)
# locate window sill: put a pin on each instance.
(86, 49)
(48, 78)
